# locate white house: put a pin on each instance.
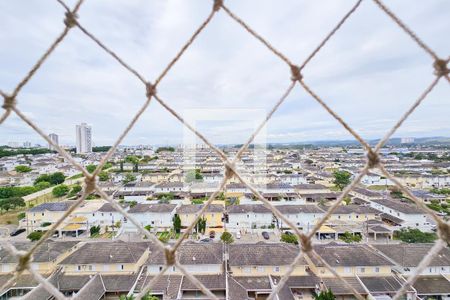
(302, 216)
(158, 216)
(246, 217)
(402, 214)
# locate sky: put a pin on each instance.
(370, 72)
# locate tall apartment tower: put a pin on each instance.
(54, 138)
(84, 138)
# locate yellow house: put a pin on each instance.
(45, 259)
(262, 259)
(106, 258)
(349, 260)
(213, 215)
(355, 213)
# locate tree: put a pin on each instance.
(325, 295)
(11, 203)
(95, 230)
(350, 238)
(57, 178)
(75, 190)
(201, 225)
(42, 185)
(227, 237)
(22, 169)
(60, 190)
(91, 168)
(129, 178)
(341, 179)
(35, 236)
(289, 238)
(177, 223)
(413, 235)
(21, 216)
(103, 176)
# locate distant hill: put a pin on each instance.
(438, 140)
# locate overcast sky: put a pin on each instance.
(370, 72)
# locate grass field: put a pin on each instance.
(10, 217)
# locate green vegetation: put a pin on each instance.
(35, 236)
(101, 148)
(341, 179)
(5, 151)
(17, 191)
(200, 227)
(53, 179)
(22, 169)
(193, 175)
(227, 237)
(166, 196)
(21, 216)
(76, 176)
(91, 168)
(177, 223)
(443, 191)
(325, 295)
(103, 176)
(289, 238)
(350, 238)
(129, 178)
(439, 207)
(11, 203)
(198, 201)
(94, 230)
(412, 235)
(60, 190)
(162, 149)
(75, 190)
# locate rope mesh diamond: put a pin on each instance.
(306, 250)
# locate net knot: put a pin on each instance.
(229, 170)
(295, 73)
(90, 184)
(217, 5)
(444, 232)
(170, 256)
(8, 102)
(150, 89)
(373, 159)
(440, 67)
(70, 20)
(305, 243)
(24, 261)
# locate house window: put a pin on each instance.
(261, 269)
(347, 270)
(120, 267)
(247, 270)
(362, 270)
(90, 267)
(377, 270)
(78, 268)
(160, 268)
(276, 269)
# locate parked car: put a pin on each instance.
(238, 235)
(17, 232)
(265, 235)
(206, 240)
(288, 233)
(212, 234)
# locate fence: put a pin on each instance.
(373, 159)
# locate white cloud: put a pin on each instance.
(370, 72)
